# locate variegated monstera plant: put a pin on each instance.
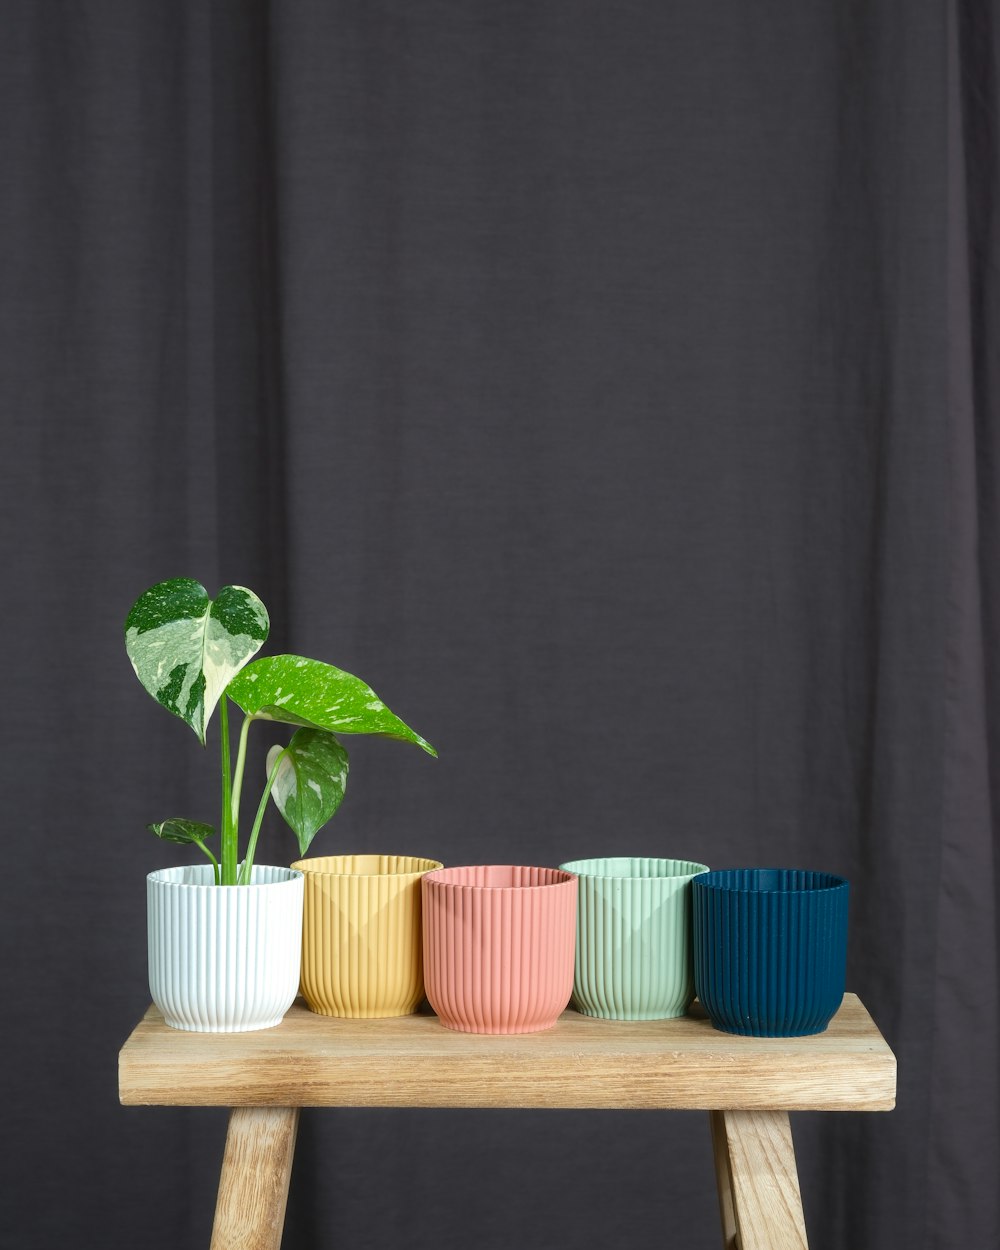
(193, 653)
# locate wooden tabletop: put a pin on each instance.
(412, 1061)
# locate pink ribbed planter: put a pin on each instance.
(499, 946)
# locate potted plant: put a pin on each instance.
(225, 936)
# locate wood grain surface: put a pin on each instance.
(256, 1169)
(412, 1061)
(765, 1181)
(723, 1179)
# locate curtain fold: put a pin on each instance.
(965, 1097)
(615, 389)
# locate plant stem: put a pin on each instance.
(215, 862)
(230, 858)
(258, 820)
(227, 840)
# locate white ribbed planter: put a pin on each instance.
(224, 959)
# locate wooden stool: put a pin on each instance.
(747, 1084)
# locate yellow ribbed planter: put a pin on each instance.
(361, 939)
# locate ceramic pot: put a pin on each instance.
(361, 951)
(770, 949)
(633, 949)
(499, 942)
(223, 958)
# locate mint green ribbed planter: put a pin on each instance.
(633, 938)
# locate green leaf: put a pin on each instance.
(182, 831)
(186, 648)
(310, 782)
(304, 692)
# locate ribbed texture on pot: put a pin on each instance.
(223, 959)
(633, 949)
(770, 949)
(361, 950)
(499, 942)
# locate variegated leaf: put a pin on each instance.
(304, 692)
(182, 831)
(310, 782)
(186, 648)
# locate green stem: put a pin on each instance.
(226, 834)
(215, 863)
(230, 854)
(258, 820)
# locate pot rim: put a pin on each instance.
(438, 880)
(578, 867)
(821, 882)
(305, 866)
(156, 878)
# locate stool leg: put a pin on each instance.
(723, 1181)
(253, 1188)
(757, 1177)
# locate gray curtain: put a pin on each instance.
(614, 387)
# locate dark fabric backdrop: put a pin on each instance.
(614, 386)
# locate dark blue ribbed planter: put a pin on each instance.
(770, 949)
